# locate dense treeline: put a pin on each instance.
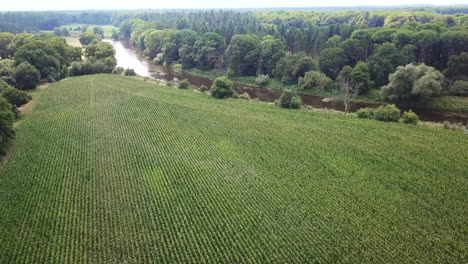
(31, 22)
(316, 50)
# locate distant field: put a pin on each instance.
(71, 27)
(73, 41)
(110, 169)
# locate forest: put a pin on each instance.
(313, 49)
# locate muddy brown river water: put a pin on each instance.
(129, 57)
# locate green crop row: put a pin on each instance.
(112, 169)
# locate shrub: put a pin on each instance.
(289, 99)
(244, 96)
(365, 113)
(262, 80)
(314, 80)
(454, 126)
(184, 84)
(75, 68)
(387, 113)
(222, 88)
(177, 67)
(6, 124)
(118, 70)
(15, 96)
(203, 89)
(409, 117)
(459, 87)
(26, 76)
(130, 72)
(3, 85)
(295, 103)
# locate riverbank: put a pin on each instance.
(442, 103)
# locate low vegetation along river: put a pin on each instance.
(128, 57)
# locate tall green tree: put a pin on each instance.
(6, 124)
(26, 76)
(293, 66)
(272, 50)
(243, 55)
(331, 61)
(209, 50)
(413, 83)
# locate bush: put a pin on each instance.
(75, 68)
(184, 84)
(262, 80)
(289, 99)
(222, 88)
(314, 80)
(203, 89)
(3, 85)
(26, 76)
(6, 124)
(130, 72)
(387, 113)
(118, 71)
(454, 126)
(295, 103)
(365, 113)
(459, 88)
(409, 117)
(15, 96)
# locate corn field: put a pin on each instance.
(111, 169)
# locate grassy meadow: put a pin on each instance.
(112, 169)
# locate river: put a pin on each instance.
(129, 57)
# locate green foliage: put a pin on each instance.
(3, 85)
(314, 80)
(272, 51)
(203, 89)
(412, 83)
(457, 66)
(87, 38)
(289, 99)
(222, 88)
(5, 40)
(99, 32)
(6, 124)
(61, 32)
(454, 126)
(208, 50)
(359, 76)
(333, 42)
(291, 67)
(184, 84)
(99, 50)
(262, 80)
(366, 112)
(243, 55)
(26, 76)
(384, 61)
(15, 96)
(129, 72)
(331, 61)
(459, 87)
(387, 113)
(409, 117)
(7, 71)
(118, 70)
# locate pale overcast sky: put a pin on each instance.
(155, 4)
